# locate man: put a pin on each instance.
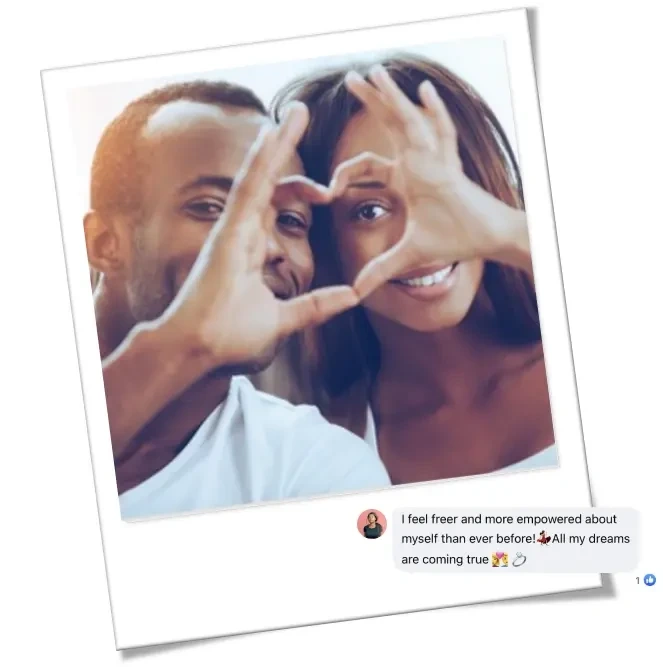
(201, 244)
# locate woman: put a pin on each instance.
(442, 367)
(372, 529)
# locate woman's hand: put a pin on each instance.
(449, 217)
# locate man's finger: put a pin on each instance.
(380, 270)
(290, 132)
(274, 147)
(315, 308)
(301, 188)
(252, 189)
(365, 167)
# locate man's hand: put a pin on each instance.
(224, 315)
(224, 307)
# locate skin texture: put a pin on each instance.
(208, 281)
(450, 398)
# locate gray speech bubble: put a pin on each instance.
(557, 540)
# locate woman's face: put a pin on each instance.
(372, 518)
(368, 220)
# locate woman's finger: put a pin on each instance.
(373, 100)
(411, 119)
(364, 168)
(444, 124)
(315, 308)
(382, 269)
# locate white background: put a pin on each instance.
(596, 66)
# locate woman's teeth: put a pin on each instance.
(427, 281)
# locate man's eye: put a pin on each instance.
(205, 209)
(369, 212)
(292, 221)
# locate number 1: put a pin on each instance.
(637, 579)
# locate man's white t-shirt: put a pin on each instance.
(257, 448)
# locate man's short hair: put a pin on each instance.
(115, 183)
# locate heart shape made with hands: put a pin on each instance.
(418, 245)
(449, 218)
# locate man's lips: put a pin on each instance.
(281, 289)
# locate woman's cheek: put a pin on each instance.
(355, 253)
(360, 246)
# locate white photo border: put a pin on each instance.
(262, 567)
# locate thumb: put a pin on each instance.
(315, 308)
(381, 269)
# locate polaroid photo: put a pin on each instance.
(303, 292)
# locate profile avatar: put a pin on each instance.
(372, 529)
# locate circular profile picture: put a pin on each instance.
(372, 524)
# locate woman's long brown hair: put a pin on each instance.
(344, 354)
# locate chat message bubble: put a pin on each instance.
(559, 540)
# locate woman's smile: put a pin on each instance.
(428, 283)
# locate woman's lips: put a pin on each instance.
(428, 283)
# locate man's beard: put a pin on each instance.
(148, 298)
(150, 289)
(252, 367)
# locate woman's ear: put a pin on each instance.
(102, 243)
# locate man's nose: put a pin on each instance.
(275, 249)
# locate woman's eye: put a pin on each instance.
(206, 210)
(369, 212)
(292, 222)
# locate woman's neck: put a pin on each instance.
(452, 365)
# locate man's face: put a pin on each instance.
(192, 153)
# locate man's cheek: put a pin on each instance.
(302, 261)
(179, 271)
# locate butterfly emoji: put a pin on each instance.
(543, 538)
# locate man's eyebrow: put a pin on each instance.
(368, 185)
(220, 182)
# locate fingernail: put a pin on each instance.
(290, 108)
(353, 76)
(428, 87)
(379, 70)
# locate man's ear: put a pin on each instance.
(102, 243)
